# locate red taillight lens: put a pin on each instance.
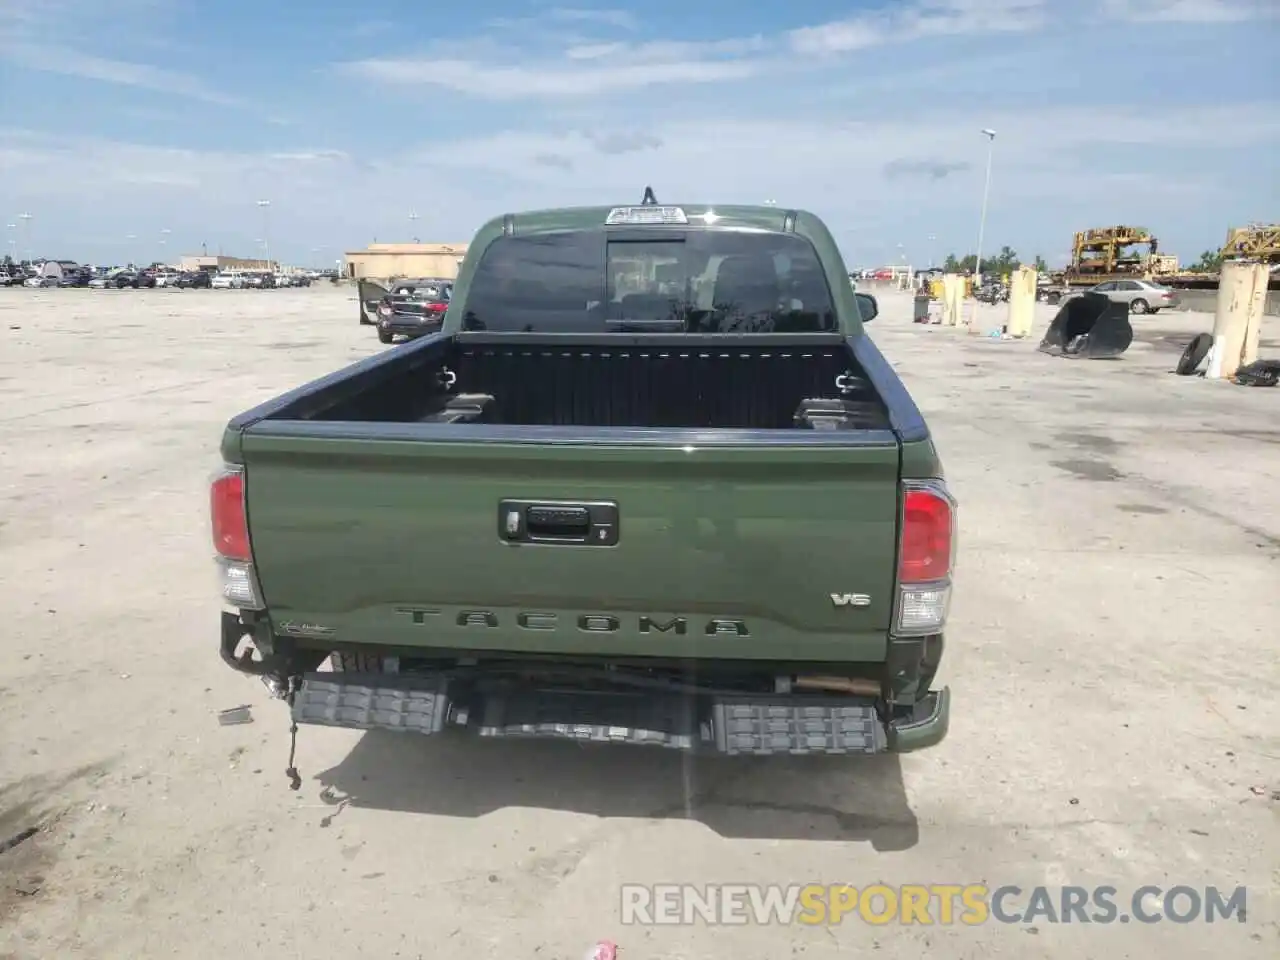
(927, 532)
(437, 307)
(230, 525)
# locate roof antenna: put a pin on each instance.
(649, 199)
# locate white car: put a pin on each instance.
(40, 282)
(167, 279)
(284, 280)
(227, 281)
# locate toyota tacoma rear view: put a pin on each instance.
(650, 483)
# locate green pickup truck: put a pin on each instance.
(651, 483)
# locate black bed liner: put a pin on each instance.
(765, 382)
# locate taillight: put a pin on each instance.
(231, 540)
(926, 555)
(230, 525)
(926, 536)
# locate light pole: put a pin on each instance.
(26, 232)
(266, 229)
(413, 219)
(164, 240)
(932, 241)
(982, 222)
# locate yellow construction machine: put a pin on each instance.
(1112, 250)
(1257, 241)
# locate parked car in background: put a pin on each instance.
(194, 280)
(256, 280)
(229, 280)
(167, 278)
(39, 281)
(414, 313)
(76, 278)
(1142, 296)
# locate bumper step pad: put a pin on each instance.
(367, 702)
(758, 725)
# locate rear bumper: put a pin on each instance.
(408, 328)
(746, 725)
(755, 724)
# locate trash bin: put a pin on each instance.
(920, 314)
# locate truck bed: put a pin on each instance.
(595, 381)
(377, 514)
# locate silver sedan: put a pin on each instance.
(1142, 296)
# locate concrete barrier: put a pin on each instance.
(1203, 300)
(1207, 300)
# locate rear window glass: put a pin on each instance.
(694, 282)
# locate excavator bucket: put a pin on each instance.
(1089, 326)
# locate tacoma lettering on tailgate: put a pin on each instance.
(585, 622)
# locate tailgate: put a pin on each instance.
(722, 552)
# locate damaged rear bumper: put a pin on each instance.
(742, 724)
(756, 724)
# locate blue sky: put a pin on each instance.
(123, 119)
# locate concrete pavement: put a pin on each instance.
(1113, 659)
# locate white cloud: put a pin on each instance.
(550, 66)
(904, 22)
(620, 19)
(58, 36)
(50, 58)
(591, 139)
(1191, 11)
(583, 77)
(594, 51)
(1068, 166)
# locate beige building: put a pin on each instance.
(193, 264)
(384, 260)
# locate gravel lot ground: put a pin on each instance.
(1113, 659)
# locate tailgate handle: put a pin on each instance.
(574, 522)
(586, 524)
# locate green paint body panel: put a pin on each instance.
(396, 542)
(367, 537)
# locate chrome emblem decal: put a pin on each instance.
(850, 600)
